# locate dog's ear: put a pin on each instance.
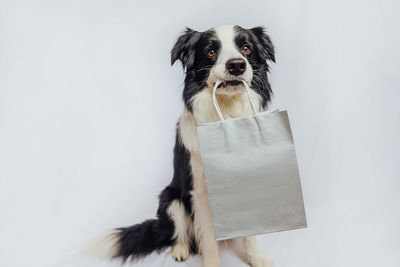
(264, 44)
(184, 48)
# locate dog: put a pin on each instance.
(233, 55)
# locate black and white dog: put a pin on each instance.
(230, 54)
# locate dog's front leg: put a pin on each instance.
(203, 226)
(205, 231)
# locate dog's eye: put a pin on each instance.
(246, 50)
(211, 53)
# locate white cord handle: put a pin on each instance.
(216, 102)
(253, 107)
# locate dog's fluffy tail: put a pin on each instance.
(132, 242)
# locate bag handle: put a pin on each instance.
(216, 102)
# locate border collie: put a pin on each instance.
(232, 55)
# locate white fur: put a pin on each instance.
(228, 51)
(179, 252)
(247, 250)
(232, 105)
(183, 229)
(203, 227)
(182, 222)
(254, 256)
(103, 247)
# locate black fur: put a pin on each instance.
(142, 239)
(151, 235)
(263, 51)
(191, 49)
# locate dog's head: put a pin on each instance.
(227, 53)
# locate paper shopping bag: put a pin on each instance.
(251, 173)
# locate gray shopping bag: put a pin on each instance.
(251, 173)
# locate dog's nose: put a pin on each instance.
(236, 66)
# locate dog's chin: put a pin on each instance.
(231, 90)
(232, 87)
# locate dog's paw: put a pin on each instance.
(179, 252)
(261, 261)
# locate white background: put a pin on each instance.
(89, 102)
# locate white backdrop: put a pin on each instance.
(89, 102)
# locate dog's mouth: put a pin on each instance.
(229, 83)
